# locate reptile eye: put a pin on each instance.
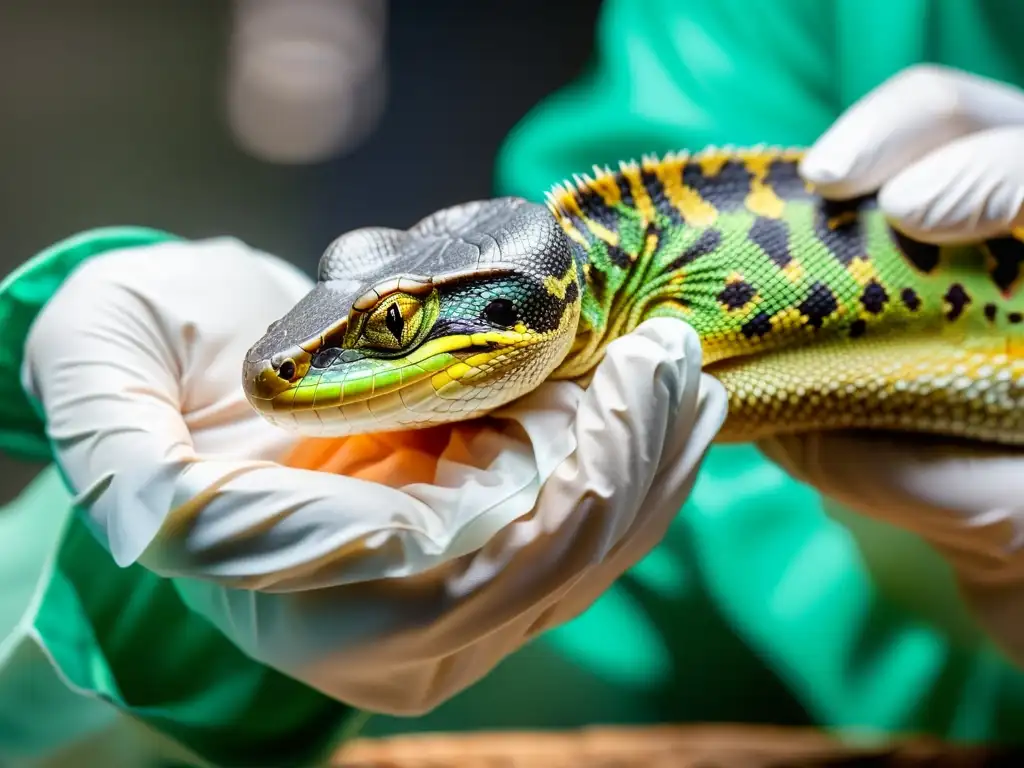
(287, 370)
(501, 312)
(395, 322)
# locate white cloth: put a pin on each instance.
(388, 597)
(946, 151)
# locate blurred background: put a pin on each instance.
(280, 123)
(287, 122)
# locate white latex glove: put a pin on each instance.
(388, 597)
(946, 151)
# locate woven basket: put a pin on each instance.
(661, 747)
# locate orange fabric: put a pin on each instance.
(391, 458)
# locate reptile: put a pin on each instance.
(814, 314)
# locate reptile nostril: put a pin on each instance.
(286, 370)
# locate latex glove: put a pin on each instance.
(390, 595)
(946, 151)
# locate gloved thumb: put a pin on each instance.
(969, 189)
(941, 147)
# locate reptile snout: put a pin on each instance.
(265, 379)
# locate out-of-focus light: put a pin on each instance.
(307, 78)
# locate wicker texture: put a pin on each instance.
(661, 747)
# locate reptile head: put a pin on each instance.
(469, 309)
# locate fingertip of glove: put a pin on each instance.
(818, 167)
(714, 396)
(650, 376)
(832, 166)
(673, 339)
(667, 350)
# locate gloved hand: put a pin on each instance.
(946, 152)
(402, 581)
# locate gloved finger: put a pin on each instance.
(668, 491)
(130, 356)
(135, 360)
(901, 121)
(965, 500)
(642, 429)
(972, 188)
(403, 646)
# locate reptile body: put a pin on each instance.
(814, 314)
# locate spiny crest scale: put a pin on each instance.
(568, 194)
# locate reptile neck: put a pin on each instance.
(621, 291)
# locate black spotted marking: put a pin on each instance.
(958, 299)
(538, 309)
(559, 258)
(1007, 257)
(820, 304)
(990, 312)
(708, 242)
(737, 295)
(839, 226)
(726, 190)
(619, 257)
(659, 198)
(577, 223)
(858, 328)
(594, 208)
(772, 236)
(1015, 317)
(784, 178)
(910, 299)
(848, 209)
(874, 298)
(572, 292)
(625, 191)
(924, 257)
(757, 326)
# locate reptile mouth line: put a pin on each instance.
(403, 377)
(286, 401)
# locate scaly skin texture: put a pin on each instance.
(813, 314)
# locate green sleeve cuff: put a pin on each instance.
(23, 294)
(125, 636)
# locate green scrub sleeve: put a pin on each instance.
(23, 294)
(83, 638)
(819, 595)
(672, 75)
